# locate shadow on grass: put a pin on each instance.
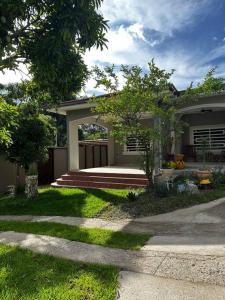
(26, 275)
(62, 202)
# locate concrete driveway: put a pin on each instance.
(192, 236)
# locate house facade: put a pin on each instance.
(204, 119)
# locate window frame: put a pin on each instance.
(125, 152)
(192, 128)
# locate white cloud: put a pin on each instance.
(121, 44)
(14, 76)
(129, 44)
(162, 15)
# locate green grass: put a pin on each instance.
(25, 275)
(103, 237)
(62, 202)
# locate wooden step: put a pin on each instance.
(94, 184)
(94, 178)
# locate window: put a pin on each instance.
(213, 136)
(133, 146)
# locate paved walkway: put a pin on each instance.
(136, 286)
(163, 227)
(194, 268)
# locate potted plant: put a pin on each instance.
(168, 168)
(179, 161)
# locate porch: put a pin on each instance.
(115, 177)
(203, 138)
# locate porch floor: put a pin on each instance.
(115, 170)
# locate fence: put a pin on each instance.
(91, 154)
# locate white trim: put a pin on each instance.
(199, 106)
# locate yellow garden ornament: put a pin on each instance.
(205, 181)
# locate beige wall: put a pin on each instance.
(8, 175)
(60, 162)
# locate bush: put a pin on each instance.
(20, 189)
(161, 190)
(181, 179)
(218, 179)
(134, 195)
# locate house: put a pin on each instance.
(205, 119)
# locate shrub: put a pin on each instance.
(218, 179)
(134, 194)
(161, 190)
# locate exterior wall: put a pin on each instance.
(8, 174)
(60, 162)
(199, 119)
(76, 115)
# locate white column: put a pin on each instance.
(111, 150)
(73, 146)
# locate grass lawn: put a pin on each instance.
(25, 275)
(103, 237)
(62, 202)
(103, 203)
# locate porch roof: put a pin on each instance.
(81, 103)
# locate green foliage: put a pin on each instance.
(29, 93)
(8, 121)
(183, 179)
(142, 93)
(93, 132)
(217, 179)
(161, 190)
(133, 195)
(30, 139)
(211, 84)
(50, 38)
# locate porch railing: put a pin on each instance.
(192, 153)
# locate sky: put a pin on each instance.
(185, 35)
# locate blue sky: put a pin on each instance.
(185, 35)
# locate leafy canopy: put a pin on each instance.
(8, 121)
(30, 138)
(50, 38)
(143, 94)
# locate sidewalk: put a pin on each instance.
(189, 267)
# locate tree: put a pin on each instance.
(211, 84)
(30, 139)
(50, 38)
(8, 116)
(142, 93)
